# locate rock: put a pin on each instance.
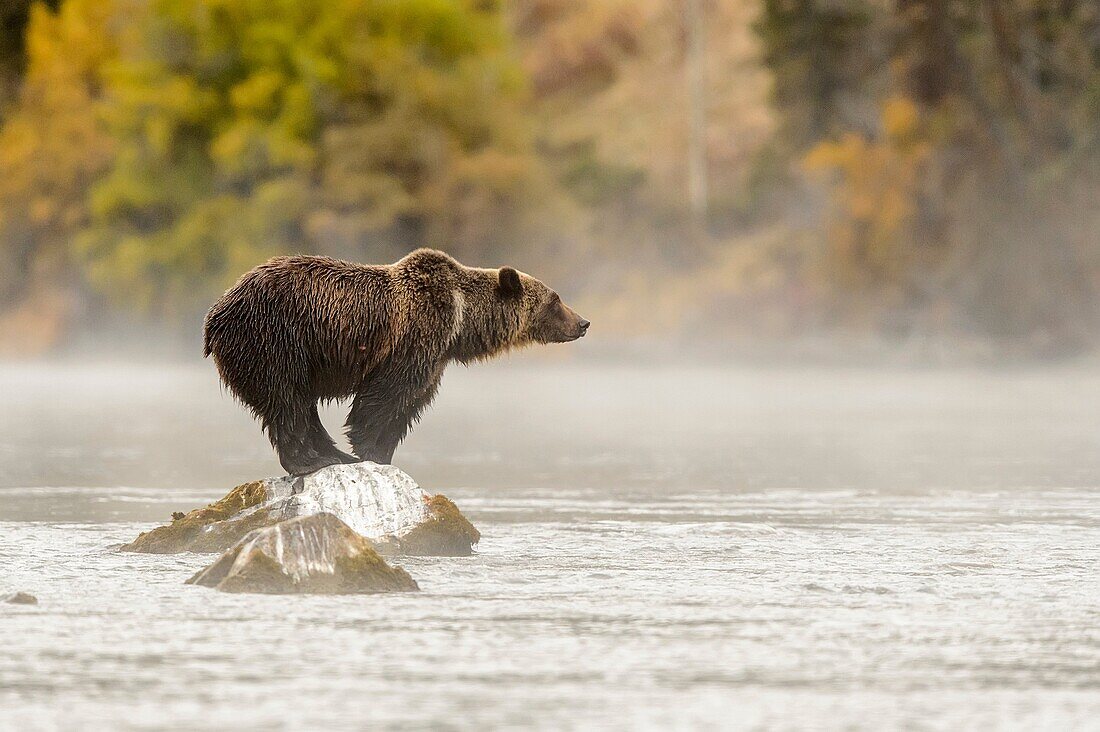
(214, 528)
(445, 533)
(380, 502)
(20, 598)
(316, 554)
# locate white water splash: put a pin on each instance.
(374, 500)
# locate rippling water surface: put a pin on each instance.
(668, 547)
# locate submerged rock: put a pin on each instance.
(316, 554)
(20, 598)
(380, 502)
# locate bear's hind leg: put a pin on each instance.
(322, 441)
(290, 430)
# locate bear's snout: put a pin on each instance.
(583, 326)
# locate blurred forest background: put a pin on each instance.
(728, 176)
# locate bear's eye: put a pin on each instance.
(552, 305)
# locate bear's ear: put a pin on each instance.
(510, 286)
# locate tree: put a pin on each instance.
(247, 128)
(818, 53)
(52, 145)
(14, 18)
(971, 202)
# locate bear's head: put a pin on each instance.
(544, 318)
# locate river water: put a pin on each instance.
(666, 547)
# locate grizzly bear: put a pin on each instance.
(301, 329)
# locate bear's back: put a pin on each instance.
(302, 302)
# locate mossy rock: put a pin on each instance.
(211, 529)
(317, 554)
(422, 525)
(446, 533)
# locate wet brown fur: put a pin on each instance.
(301, 329)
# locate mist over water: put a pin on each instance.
(673, 546)
(523, 424)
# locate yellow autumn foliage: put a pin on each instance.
(873, 188)
(53, 143)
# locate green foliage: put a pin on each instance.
(596, 182)
(818, 53)
(247, 128)
(942, 152)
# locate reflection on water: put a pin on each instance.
(661, 547)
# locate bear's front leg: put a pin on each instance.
(381, 416)
(366, 423)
